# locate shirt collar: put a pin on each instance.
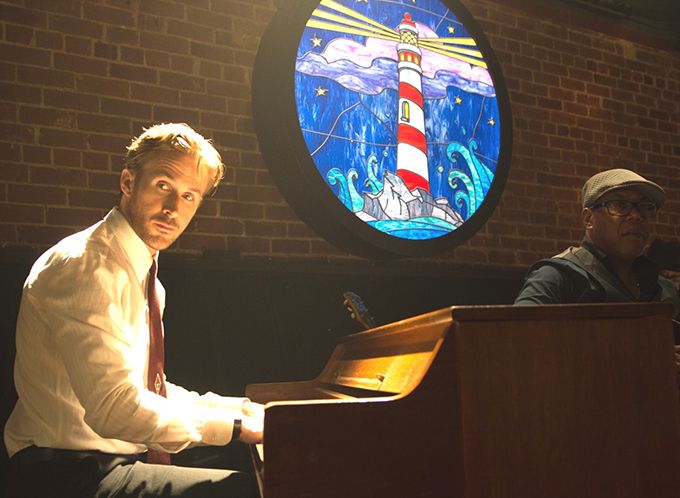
(599, 253)
(134, 247)
(645, 269)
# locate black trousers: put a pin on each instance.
(46, 472)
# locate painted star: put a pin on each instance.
(321, 92)
(451, 29)
(491, 121)
(458, 100)
(316, 41)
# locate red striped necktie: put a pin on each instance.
(155, 379)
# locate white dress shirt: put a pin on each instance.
(82, 351)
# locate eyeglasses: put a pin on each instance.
(619, 207)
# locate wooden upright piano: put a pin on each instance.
(484, 402)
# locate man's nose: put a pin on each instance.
(635, 213)
(171, 204)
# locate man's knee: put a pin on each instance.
(141, 479)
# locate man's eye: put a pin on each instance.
(620, 204)
(163, 186)
(189, 197)
(647, 208)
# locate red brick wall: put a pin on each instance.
(79, 78)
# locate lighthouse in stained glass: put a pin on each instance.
(399, 113)
(411, 147)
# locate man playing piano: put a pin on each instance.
(95, 414)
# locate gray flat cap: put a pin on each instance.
(614, 179)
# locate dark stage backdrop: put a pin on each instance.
(230, 322)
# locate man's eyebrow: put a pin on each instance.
(168, 173)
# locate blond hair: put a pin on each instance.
(178, 137)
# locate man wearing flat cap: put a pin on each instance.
(609, 266)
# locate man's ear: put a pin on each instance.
(127, 181)
(587, 218)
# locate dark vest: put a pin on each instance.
(593, 282)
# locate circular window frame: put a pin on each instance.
(286, 154)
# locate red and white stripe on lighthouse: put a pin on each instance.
(411, 147)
